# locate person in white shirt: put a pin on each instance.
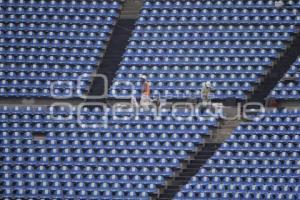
(206, 92)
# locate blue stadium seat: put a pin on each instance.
(181, 44)
(102, 153)
(260, 160)
(289, 87)
(46, 46)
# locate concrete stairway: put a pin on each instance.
(197, 159)
(221, 134)
(191, 169)
(113, 56)
(131, 9)
(116, 47)
(279, 68)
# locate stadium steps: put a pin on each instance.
(223, 131)
(185, 174)
(196, 161)
(112, 56)
(277, 71)
(116, 47)
(131, 9)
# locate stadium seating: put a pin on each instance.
(261, 160)
(289, 87)
(48, 46)
(102, 154)
(181, 44)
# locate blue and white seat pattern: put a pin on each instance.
(289, 87)
(261, 160)
(181, 44)
(127, 157)
(47, 45)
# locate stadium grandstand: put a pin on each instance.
(150, 99)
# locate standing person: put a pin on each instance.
(134, 103)
(146, 92)
(206, 92)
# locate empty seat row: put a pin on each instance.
(215, 4)
(51, 41)
(52, 152)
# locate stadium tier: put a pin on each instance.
(181, 44)
(289, 86)
(50, 48)
(104, 156)
(260, 160)
(145, 139)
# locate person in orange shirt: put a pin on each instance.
(146, 92)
